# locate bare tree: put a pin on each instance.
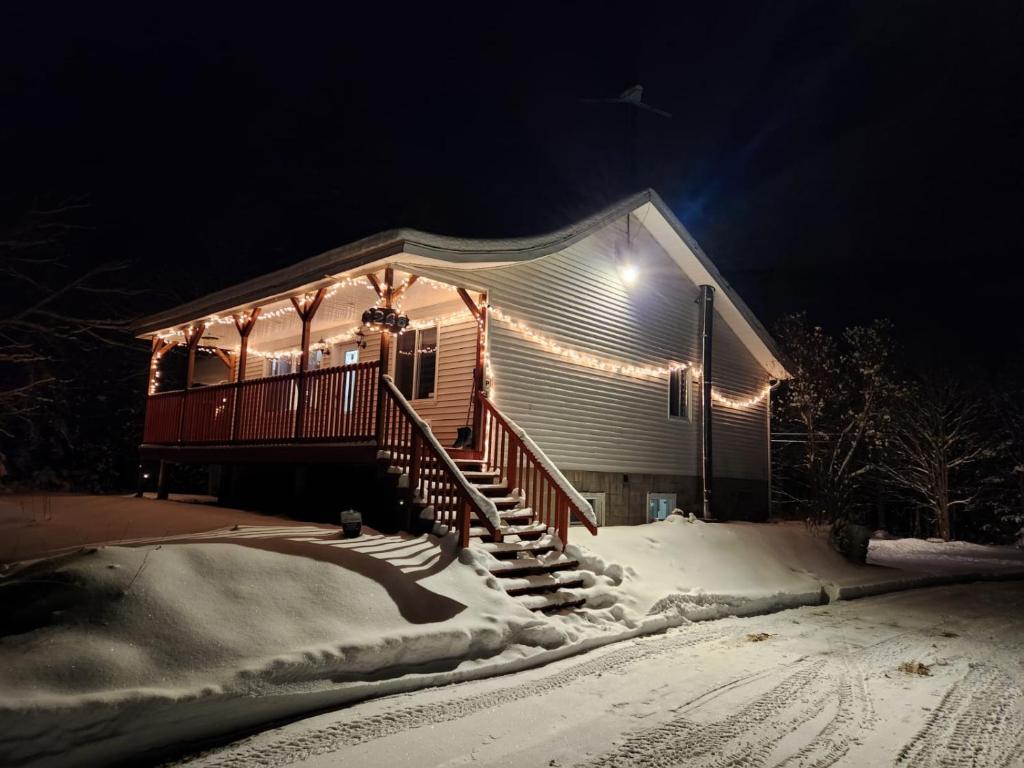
(833, 415)
(48, 307)
(937, 437)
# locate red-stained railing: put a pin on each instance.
(340, 406)
(523, 467)
(434, 479)
(208, 414)
(163, 417)
(340, 402)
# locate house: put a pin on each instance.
(607, 372)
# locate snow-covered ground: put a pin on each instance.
(161, 640)
(813, 686)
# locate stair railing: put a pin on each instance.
(523, 465)
(434, 478)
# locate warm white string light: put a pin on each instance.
(612, 366)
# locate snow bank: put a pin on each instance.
(95, 640)
(688, 570)
(113, 652)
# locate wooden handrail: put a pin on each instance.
(338, 406)
(523, 465)
(433, 476)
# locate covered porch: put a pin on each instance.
(382, 368)
(304, 368)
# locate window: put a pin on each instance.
(597, 502)
(279, 366)
(416, 363)
(679, 394)
(317, 360)
(659, 505)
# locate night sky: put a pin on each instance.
(851, 159)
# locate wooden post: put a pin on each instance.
(192, 336)
(387, 292)
(159, 349)
(478, 377)
(244, 324)
(479, 313)
(161, 481)
(305, 311)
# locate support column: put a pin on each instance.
(386, 292)
(244, 323)
(707, 316)
(193, 334)
(161, 480)
(159, 349)
(305, 308)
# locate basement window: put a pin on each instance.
(679, 406)
(660, 506)
(416, 363)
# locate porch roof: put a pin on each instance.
(411, 246)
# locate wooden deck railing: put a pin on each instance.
(523, 465)
(433, 475)
(340, 406)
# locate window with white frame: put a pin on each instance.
(679, 406)
(416, 363)
(280, 366)
(597, 504)
(660, 506)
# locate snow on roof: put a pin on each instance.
(466, 253)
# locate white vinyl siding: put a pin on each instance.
(586, 419)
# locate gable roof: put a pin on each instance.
(466, 253)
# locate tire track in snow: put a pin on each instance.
(740, 738)
(978, 722)
(288, 749)
(748, 736)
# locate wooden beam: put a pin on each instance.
(403, 288)
(223, 356)
(376, 285)
(468, 301)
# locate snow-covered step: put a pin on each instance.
(527, 566)
(505, 501)
(518, 532)
(542, 582)
(509, 550)
(511, 517)
(481, 475)
(470, 464)
(491, 489)
(552, 601)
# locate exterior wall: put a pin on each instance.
(626, 495)
(456, 348)
(446, 410)
(600, 422)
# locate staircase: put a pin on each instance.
(532, 566)
(507, 498)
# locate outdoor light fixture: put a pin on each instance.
(625, 255)
(385, 319)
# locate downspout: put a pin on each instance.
(707, 316)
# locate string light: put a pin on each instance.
(612, 366)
